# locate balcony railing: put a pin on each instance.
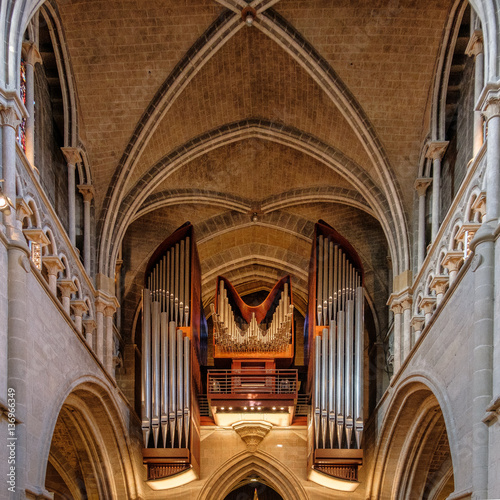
(261, 382)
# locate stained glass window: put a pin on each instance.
(21, 130)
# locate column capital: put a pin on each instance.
(421, 185)
(79, 307)
(427, 304)
(103, 301)
(110, 310)
(89, 325)
(37, 235)
(489, 101)
(67, 287)
(436, 149)
(394, 304)
(72, 155)
(417, 322)
(31, 53)
(9, 117)
(439, 284)
(476, 44)
(22, 209)
(53, 264)
(87, 191)
(452, 260)
(10, 100)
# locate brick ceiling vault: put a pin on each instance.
(122, 203)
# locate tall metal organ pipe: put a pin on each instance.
(166, 351)
(338, 347)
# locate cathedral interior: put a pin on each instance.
(249, 249)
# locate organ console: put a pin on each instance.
(336, 346)
(171, 356)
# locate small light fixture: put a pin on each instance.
(279, 445)
(245, 408)
(253, 479)
(5, 202)
(249, 14)
(274, 407)
(222, 408)
(252, 408)
(282, 408)
(230, 408)
(259, 408)
(255, 217)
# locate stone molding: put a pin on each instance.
(87, 191)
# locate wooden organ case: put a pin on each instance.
(335, 340)
(171, 357)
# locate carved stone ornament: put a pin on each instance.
(252, 432)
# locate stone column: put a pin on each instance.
(483, 266)
(421, 185)
(89, 325)
(54, 266)
(32, 56)
(475, 48)
(87, 191)
(427, 305)
(417, 322)
(110, 339)
(9, 121)
(397, 309)
(100, 307)
(18, 355)
(490, 107)
(73, 157)
(67, 287)
(406, 306)
(79, 309)
(435, 151)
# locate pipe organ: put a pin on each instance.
(265, 330)
(336, 346)
(170, 379)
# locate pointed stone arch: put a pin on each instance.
(263, 465)
(88, 428)
(415, 456)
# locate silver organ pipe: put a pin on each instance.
(166, 351)
(338, 348)
(146, 366)
(155, 379)
(229, 336)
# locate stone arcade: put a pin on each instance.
(327, 325)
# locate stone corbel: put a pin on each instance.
(436, 149)
(252, 432)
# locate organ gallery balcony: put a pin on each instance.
(256, 393)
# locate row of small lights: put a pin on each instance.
(251, 408)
